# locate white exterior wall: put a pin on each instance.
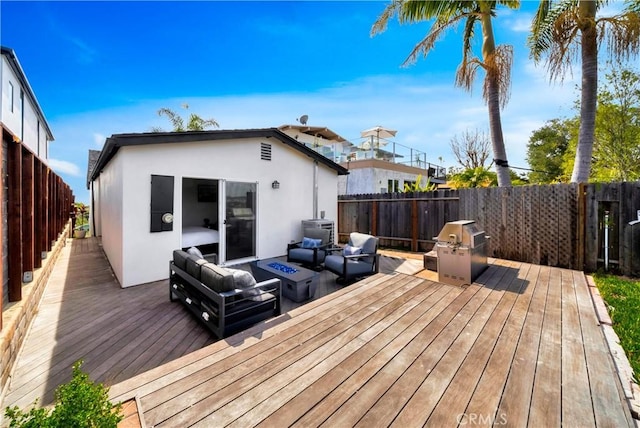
(372, 180)
(11, 120)
(25, 125)
(144, 256)
(111, 214)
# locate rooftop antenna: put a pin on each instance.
(303, 119)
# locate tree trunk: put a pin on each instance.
(589, 92)
(492, 85)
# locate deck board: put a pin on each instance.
(546, 409)
(576, 395)
(520, 347)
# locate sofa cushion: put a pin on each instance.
(180, 259)
(217, 278)
(194, 265)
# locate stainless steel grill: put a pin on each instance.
(462, 252)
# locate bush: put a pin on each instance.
(79, 403)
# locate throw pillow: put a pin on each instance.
(243, 280)
(351, 251)
(311, 243)
(194, 251)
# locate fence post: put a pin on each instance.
(374, 218)
(582, 224)
(414, 225)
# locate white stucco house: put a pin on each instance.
(371, 170)
(241, 194)
(370, 176)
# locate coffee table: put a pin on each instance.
(298, 283)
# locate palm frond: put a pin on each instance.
(466, 72)
(389, 12)
(621, 33)
(436, 32)
(498, 67)
(468, 36)
(175, 119)
(557, 38)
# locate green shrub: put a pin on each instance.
(79, 403)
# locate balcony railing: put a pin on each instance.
(384, 150)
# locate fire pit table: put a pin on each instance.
(298, 283)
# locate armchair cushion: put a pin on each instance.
(311, 251)
(350, 250)
(311, 243)
(305, 255)
(355, 267)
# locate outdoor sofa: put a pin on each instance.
(226, 301)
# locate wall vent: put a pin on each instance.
(265, 151)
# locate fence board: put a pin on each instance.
(554, 225)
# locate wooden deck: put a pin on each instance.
(520, 347)
(118, 333)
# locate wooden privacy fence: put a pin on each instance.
(38, 205)
(559, 225)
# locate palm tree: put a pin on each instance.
(563, 28)
(495, 61)
(195, 123)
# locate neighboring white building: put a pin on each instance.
(321, 139)
(152, 192)
(20, 112)
(372, 170)
(380, 176)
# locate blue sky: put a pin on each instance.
(100, 68)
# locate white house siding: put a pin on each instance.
(27, 126)
(111, 215)
(11, 119)
(144, 255)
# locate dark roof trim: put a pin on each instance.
(113, 143)
(17, 69)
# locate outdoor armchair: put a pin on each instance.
(359, 258)
(312, 250)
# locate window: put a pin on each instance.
(392, 186)
(11, 97)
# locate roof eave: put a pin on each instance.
(113, 144)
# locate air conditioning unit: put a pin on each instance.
(320, 223)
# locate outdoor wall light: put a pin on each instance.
(275, 184)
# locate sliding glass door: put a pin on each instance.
(240, 220)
